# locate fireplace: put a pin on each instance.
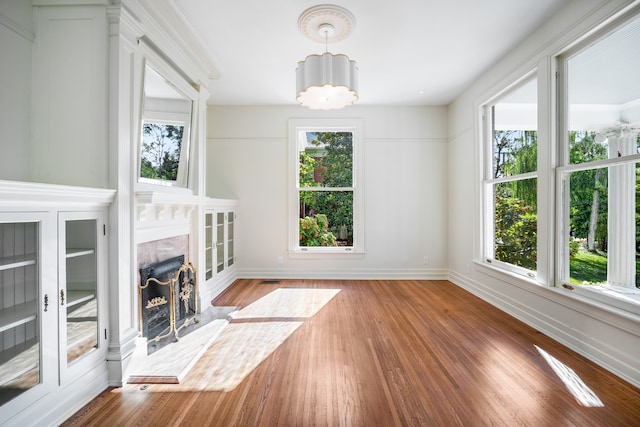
(166, 224)
(168, 296)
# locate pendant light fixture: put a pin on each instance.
(327, 81)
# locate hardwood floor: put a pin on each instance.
(383, 353)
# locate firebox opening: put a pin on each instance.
(168, 301)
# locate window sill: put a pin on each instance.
(326, 253)
(604, 304)
(507, 275)
(627, 299)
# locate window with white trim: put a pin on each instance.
(599, 170)
(510, 181)
(565, 209)
(325, 203)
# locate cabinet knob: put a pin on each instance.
(61, 296)
(46, 301)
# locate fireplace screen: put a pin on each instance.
(168, 298)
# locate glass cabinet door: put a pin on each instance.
(230, 230)
(79, 295)
(222, 224)
(220, 242)
(81, 288)
(20, 345)
(208, 242)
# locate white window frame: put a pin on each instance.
(552, 170)
(486, 256)
(355, 126)
(628, 300)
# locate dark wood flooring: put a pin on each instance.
(386, 353)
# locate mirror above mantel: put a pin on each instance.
(166, 129)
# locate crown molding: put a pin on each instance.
(160, 23)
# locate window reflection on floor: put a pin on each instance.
(242, 346)
(287, 302)
(583, 394)
(254, 333)
(239, 349)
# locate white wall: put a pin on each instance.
(596, 331)
(53, 116)
(16, 41)
(405, 152)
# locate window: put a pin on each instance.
(599, 173)
(326, 186)
(510, 179)
(560, 194)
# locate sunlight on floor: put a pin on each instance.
(287, 302)
(241, 347)
(238, 350)
(583, 394)
(253, 333)
(172, 362)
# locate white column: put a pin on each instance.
(621, 224)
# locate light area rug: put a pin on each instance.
(236, 352)
(287, 303)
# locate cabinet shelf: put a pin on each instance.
(16, 261)
(17, 315)
(78, 297)
(77, 252)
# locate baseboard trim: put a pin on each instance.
(55, 407)
(118, 357)
(214, 287)
(344, 274)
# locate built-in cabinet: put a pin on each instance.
(220, 223)
(53, 312)
(224, 240)
(219, 242)
(73, 118)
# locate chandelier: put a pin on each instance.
(327, 81)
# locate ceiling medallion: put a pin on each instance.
(326, 81)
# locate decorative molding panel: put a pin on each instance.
(17, 28)
(160, 215)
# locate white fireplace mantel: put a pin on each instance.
(161, 215)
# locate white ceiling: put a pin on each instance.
(402, 47)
